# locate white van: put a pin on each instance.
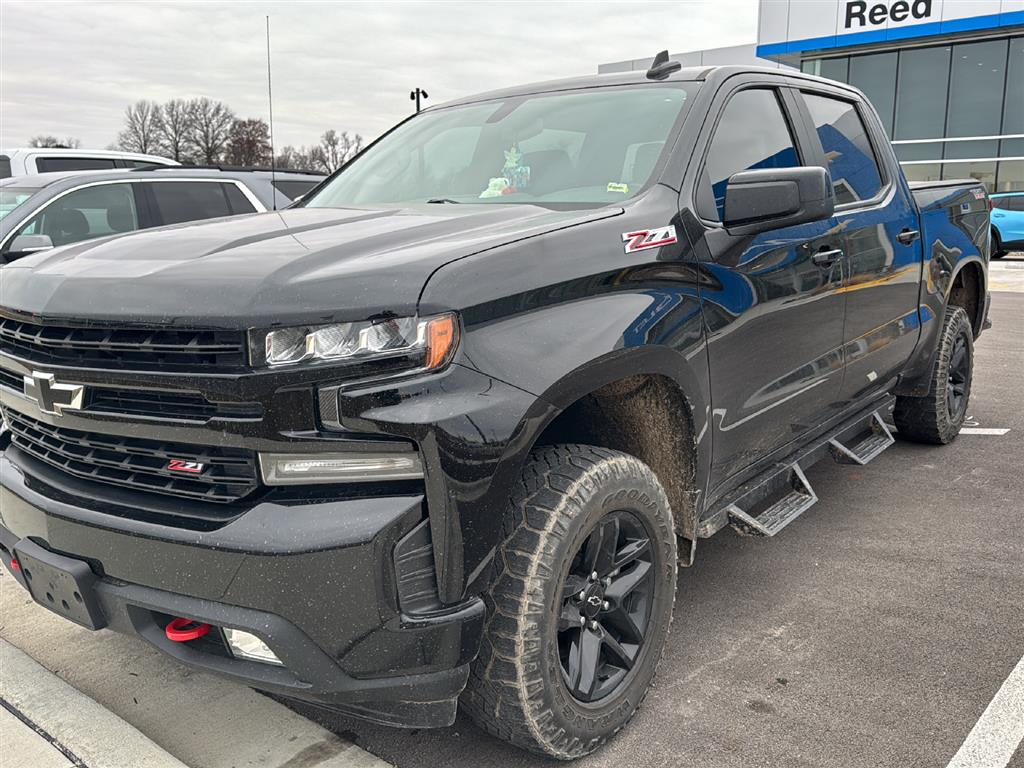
(31, 160)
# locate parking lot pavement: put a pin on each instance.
(873, 632)
(1007, 274)
(173, 712)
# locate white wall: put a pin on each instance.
(736, 54)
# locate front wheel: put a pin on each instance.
(937, 417)
(580, 606)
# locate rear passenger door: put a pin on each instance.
(176, 201)
(882, 251)
(772, 306)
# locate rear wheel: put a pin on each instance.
(997, 245)
(937, 417)
(580, 605)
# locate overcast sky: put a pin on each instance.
(69, 68)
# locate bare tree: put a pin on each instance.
(248, 143)
(211, 126)
(69, 142)
(176, 129)
(336, 149)
(289, 157)
(142, 131)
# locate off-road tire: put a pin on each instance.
(928, 419)
(516, 690)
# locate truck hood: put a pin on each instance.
(300, 265)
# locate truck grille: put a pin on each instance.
(179, 406)
(227, 474)
(124, 348)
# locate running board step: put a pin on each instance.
(873, 442)
(800, 498)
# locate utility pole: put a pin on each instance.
(416, 95)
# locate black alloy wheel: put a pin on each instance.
(959, 376)
(606, 606)
(579, 603)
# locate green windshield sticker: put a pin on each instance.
(616, 186)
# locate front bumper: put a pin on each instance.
(321, 592)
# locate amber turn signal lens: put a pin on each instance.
(442, 339)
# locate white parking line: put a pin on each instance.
(983, 431)
(996, 736)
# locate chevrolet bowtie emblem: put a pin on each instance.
(52, 397)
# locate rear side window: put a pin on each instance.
(851, 160)
(5, 167)
(752, 134)
(1012, 203)
(292, 189)
(239, 203)
(51, 164)
(180, 201)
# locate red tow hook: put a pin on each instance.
(182, 630)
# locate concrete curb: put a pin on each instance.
(92, 734)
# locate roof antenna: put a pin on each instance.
(270, 103)
(661, 67)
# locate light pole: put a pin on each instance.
(416, 95)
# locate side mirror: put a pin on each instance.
(772, 198)
(23, 245)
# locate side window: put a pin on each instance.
(851, 161)
(50, 164)
(180, 201)
(1016, 203)
(239, 203)
(752, 133)
(293, 189)
(104, 209)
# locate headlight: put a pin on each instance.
(428, 343)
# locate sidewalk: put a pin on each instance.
(177, 717)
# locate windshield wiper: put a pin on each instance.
(442, 200)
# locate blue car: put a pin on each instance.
(1007, 223)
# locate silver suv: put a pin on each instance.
(52, 209)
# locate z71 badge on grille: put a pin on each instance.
(180, 465)
(643, 239)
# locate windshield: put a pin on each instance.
(12, 197)
(596, 146)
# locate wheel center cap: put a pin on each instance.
(593, 600)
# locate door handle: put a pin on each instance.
(826, 258)
(907, 236)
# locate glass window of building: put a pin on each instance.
(923, 171)
(976, 89)
(983, 172)
(1010, 176)
(875, 74)
(833, 69)
(921, 94)
(1013, 106)
(851, 160)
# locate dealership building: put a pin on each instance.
(946, 76)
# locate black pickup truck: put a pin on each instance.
(443, 432)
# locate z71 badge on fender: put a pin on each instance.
(643, 239)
